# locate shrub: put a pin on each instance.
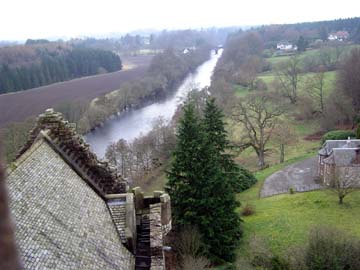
(291, 190)
(358, 132)
(189, 243)
(246, 179)
(248, 210)
(331, 248)
(337, 135)
(192, 263)
(260, 85)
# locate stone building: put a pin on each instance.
(339, 158)
(73, 211)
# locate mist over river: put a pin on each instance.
(133, 123)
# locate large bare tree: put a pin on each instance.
(349, 79)
(315, 87)
(258, 114)
(288, 77)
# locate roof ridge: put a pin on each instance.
(71, 146)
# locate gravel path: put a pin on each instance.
(299, 176)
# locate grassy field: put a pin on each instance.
(285, 220)
(276, 59)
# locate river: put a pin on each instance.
(133, 123)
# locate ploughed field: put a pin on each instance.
(16, 107)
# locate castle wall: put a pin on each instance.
(61, 223)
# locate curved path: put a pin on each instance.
(299, 176)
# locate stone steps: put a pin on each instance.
(143, 253)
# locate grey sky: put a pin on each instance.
(22, 19)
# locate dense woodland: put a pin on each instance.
(271, 34)
(39, 63)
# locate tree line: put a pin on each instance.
(50, 66)
(271, 34)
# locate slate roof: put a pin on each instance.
(61, 222)
(117, 208)
(59, 198)
(341, 152)
(329, 145)
(76, 152)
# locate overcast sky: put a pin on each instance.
(22, 19)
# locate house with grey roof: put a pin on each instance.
(74, 211)
(339, 157)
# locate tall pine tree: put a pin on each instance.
(214, 126)
(199, 188)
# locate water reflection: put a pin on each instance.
(133, 123)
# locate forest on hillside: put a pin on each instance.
(271, 34)
(30, 66)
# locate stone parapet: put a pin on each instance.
(62, 136)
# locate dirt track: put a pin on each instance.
(16, 107)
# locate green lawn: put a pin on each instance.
(285, 220)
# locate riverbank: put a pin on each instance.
(165, 72)
(133, 123)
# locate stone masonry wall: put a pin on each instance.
(61, 223)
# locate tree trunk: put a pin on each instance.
(341, 198)
(261, 157)
(282, 153)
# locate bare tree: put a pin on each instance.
(349, 79)
(248, 71)
(119, 154)
(315, 88)
(344, 183)
(284, 135)
(288, 78)
(258, 114)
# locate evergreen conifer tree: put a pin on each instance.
(214, 126)
(201, 194)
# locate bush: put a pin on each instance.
(246, 180)
(358, 132)
(248, 210)
(192, 263)
(260, 85)
(189, 243)
(330, 248)
(337, 135)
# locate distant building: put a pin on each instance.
(337, 157)
(339, 36)
(286, 46)
(188, 49)
(73, 211)
(146, 40)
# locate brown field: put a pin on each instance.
(16, 107)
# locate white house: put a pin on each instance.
(339, 36)
(286, 46)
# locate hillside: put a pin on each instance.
(29, 66)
